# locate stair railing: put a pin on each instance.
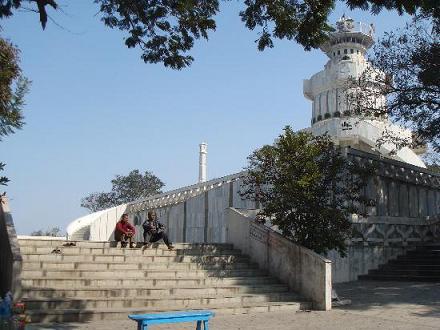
(99, 226)
(303, 270)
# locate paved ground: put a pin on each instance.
(375, 305)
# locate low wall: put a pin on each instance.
(301, 269)
(97, 226)
(400, 190)
(10, 257)
(191, 214)
(103, 228)
(376, 241)
(194, 214)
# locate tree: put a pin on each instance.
(432, 160)
(125, 189)
(165, 30)
(55, 232)
(3, 180)
(405, 71)
(13, 87)
(307, 188)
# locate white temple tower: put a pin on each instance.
(346, 49)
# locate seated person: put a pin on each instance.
(156, 230)
(124, 231)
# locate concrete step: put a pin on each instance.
(398, 266)
(79, 315)
(418, 255)
(421, 265)
(122, 258)
(166, 302)
(106, 244)
(123, 251)
(96, 281)
(60, 243)
(145, 282)
(93, 274)
(424, 254)
(407, 278)
(95, 251)
(429, 246)
(405, 272)
(99, 266)
(206, 259)
(416, 260)
(155, 292)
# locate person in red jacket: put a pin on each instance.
(124, 231)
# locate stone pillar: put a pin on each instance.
(10, 256)
(203, 162)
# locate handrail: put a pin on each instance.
(180, 195)
(302, 269)
(160, 200)
(82, 222)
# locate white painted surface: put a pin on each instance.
(98, 226)
(203, 167)
(303, 270)
(346, 49)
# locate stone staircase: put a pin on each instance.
(93, 281)
(421, 264)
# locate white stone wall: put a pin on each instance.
(102, 228)
(198, 218)
(301, 269)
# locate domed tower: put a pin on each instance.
(346, 49)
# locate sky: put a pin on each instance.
(95, 109)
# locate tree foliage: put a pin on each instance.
(307, 188)
(405, 70)
(13, 87)
(125, 189)
(54, 232)
(432, 160)
(3, 180)
(165, 30)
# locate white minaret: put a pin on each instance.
(346, 48)
(203, 162)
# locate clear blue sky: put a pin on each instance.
(96, 110)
